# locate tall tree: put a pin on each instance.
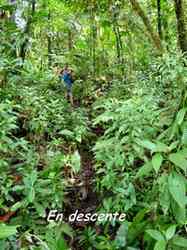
(182, 37)
(159, 19)
(23, 48)
(155, 38)
(93, 35)
(116, 29)
(49, 39)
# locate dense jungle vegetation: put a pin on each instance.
(120, 148)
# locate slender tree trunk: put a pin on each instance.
(154, 36)
(70, 40)
(93, 37)
(119, 44)
(165, 33)
(159, 19)
(181, 29)
(118, 48)
(49, 48)
(49, 42)
(23, 49)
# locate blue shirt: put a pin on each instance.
(67, 78)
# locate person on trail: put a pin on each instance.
(67, 75)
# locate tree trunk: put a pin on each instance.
(181, 29)
(154, 36)
(49, 42)
(159, 19)
(118, 49)
(70, 40)
(114, 13)
(93, 37)
(23, 48)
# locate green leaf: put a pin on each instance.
(155, 234)
(160, 245)
(164, 198)
(161, 147)
(164, 195)
(132, 248)
(144, 170)
(6, 231)
(180, 116)
(40, 209)
(18, 205)
(146, 144)
(121, 237)
(67, 230)
(179, 160)
(184, 136)
(174, 130)
(173, 145)
(179, 241)
(31, 195)
(66, 132)
(61, 244)
(178, 212)
(157, 162)
(177, 189)
(184, 152)
(170, 232)
(3, 244)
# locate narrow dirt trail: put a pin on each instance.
(84, 197)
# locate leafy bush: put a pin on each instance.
(141, 160)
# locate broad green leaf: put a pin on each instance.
(146, 144)
(178, 212)
(170, 232)
(157, 162)
(144, 170)
(179, 241)
(164, 198)
(160, 245)
(6, 231)
(155, 234)
(177, 189)
(180, 116)
(179, 160)
(161, 147)
(66, 132)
